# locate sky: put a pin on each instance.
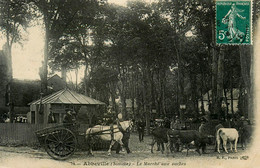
(119, 2)
(28, 58)
(123, 2)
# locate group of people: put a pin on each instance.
(4, 118)
(140, 123)
(69, 117)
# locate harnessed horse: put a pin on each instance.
(111, 133)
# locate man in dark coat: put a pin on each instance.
(69, 118)
(51, 118)
(125, 140)
(126, 135)
(167, 122)
(140, 129)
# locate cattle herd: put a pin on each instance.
(175, 140)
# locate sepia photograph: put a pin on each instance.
(129, 83)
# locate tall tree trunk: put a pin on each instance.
(122, 89)
(226, 102)
(202, 108)
(193, 81)
(46, 58)
(214, 75)
(245, 60)
(180, 79)
(195, 94)
(220, 82)
(231, 94)
(86, 76)
(8, 52)
(64, 73)
(112, 88)
(241, 98)
(76, 74)
(163, 82)
(138, 100)
(146, 97)
(156, 96)
(208, 98)
(133, 91)
(231, 91)
(133, 104)
(85, 82)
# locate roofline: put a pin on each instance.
(77, 104)
(62, 90)
(38, 101)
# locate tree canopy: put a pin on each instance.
(160, 55)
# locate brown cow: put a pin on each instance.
(186, 137)
(159, 136)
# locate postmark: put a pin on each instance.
(234, 22)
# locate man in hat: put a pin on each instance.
(202, 126)
(167, 122)
(69, 118)
(120, 117)
(140, 129)
(51, 118)
(126, 135)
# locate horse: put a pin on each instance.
(111, 133)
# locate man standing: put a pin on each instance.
(69, 118)
(125, 140)
(140, 129)
(51, 118)
(126, 135)
(167, 123)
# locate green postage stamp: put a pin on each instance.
(234, 22)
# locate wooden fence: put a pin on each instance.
(16, 134)
(22, 133)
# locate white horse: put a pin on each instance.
(108, 133)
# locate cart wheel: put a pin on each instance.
(60, 144)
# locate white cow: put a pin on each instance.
(227, 134)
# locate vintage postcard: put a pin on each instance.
(129, 83)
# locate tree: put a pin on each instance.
(161, 55)
(104, 80)
(66, 56)
(139, 50)
(14, 19)
(58, 18)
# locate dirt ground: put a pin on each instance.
(26, 157)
